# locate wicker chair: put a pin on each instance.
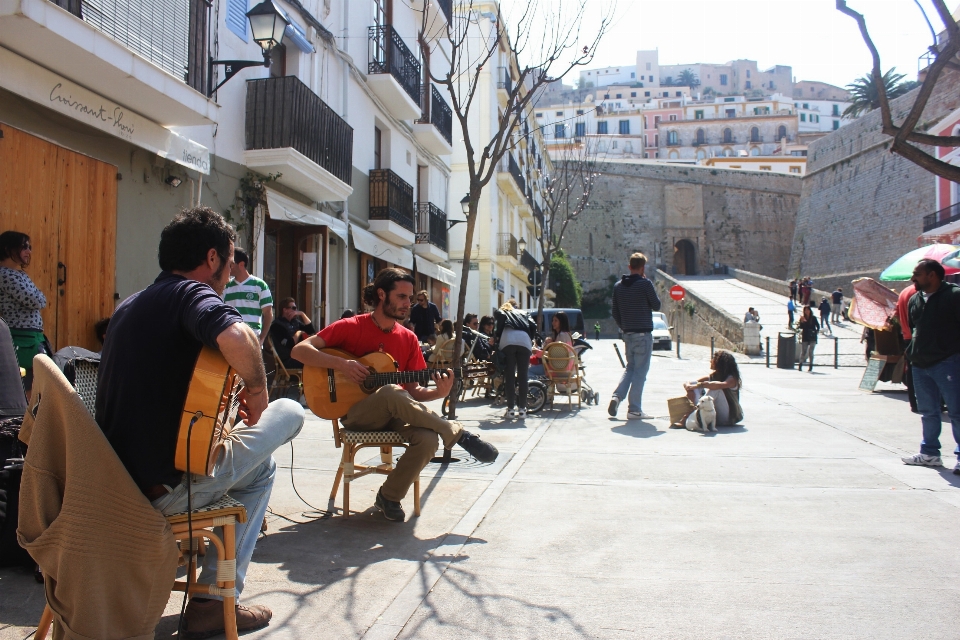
(562, 367)
(283, 378)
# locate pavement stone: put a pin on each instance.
(800, 523)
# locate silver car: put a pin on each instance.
(662, 338)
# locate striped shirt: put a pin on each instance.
(634, 300)
(249, 298)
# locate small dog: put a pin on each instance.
(704, 418)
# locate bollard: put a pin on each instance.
(836, 352)
(678, 346)
(712, 341)
(768, 352)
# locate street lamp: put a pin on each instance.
(465, 207)
(521, 247)
(267, 23)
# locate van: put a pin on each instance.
(575, 316)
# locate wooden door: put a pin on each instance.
(67, 203)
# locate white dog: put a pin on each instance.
(704, 418)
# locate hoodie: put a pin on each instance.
(634, 301)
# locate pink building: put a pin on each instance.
(665, 111)
(944, 224)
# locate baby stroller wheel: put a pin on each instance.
(536, 396)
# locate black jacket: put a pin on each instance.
(935, 324)
(809, 329)
(634, 301)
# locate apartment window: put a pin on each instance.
(656, 121)
(540, 115)
(673, 138)
(666, 94)
(806, 105)
(729, 99)
(606, 96)
(836, 110)
(818, 119)
(602, 127)
(633, 74)
(731, 113)
(619, 96)
(646, 94)
(580, 129)
(781, 132)
(754, 134)
(836, 125)
(723, 79)
(748, 73)
(701, 136)
(646, 155)
(679, 93)
(236, 18)
(624, 127)
(656, 142)
(560, 113)
(766, 167)
(673, 118)
(651, 78)
(728, 135)
(559, 131)
(614, 144)
(648, 66)
(698, 114)
(579, 112)
(377, 148)
(747, 85)
(633, 94)
(794, 169)
(803, 117)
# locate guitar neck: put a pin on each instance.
(423, 376)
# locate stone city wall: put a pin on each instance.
(861, 206)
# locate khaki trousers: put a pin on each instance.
(391, 408)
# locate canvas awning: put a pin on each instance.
(286, 209)
(437, 272)
(377, 247)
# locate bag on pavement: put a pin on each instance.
(679, 408)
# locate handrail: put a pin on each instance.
(390, 54)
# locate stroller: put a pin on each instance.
(587, 393)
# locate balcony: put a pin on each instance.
(538, 214)
(942, 218)
(439, 15)
(291, 131)
(507, 245)
(511, 180)
(150, 61)
(528, 262)
(434, 129)
(504, 84)
(431, 232)
(391, 207)
(393, 72)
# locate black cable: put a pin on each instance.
(186, 591)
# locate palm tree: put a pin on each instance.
(866, 98)
(688, 78)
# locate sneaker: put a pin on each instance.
(923, 460)
(638, 415)
(613, 406)
(482, 451)
(204, 618)
(956, 469)
(391, 510)
(522, 414)
(511, 414)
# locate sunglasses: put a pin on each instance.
(292, 308)
(26, 247)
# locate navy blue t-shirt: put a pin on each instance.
(148, 358)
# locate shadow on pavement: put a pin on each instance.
(638, 429)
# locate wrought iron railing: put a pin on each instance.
(436, 112)
(447, 7)
(527, 261)
(538, 214)
(172, 34)
(284, 112)
(942, 218)
(389, 54)
(507, 245)
(391, 199)
(431, 225)
(516, 173)
(503, 78)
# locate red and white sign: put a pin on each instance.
(677, 292)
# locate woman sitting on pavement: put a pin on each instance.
(723, 385)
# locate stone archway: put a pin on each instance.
(685, 258)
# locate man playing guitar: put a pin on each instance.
(148, 360)
(392, 407)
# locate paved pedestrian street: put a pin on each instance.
(800, 523)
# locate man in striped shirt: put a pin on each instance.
(249, 295)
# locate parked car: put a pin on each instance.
(662, 338)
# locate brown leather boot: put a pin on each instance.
(204, 618)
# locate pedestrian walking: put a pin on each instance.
(596, 329)
(806, 288)
(21, 301)
(634, 301)
(425, 315)
(825, 310)
(837, 311)
(514, 333)
(791, 308)
(934, 354)
(809, 328)
(793, 289)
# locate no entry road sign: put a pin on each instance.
(677, 292)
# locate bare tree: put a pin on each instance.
(567, 195)
(545, 43)
(944, 55)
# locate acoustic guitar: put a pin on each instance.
(330, 393)
(209, 413)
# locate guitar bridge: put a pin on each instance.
(331, 385)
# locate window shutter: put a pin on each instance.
(236, 18)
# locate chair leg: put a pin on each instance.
(46, 619)
(416, 496)
(230, 602)
(336, 483)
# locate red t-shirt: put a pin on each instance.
(902, 301)
(359, 336)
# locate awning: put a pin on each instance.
(285, 209)
(295, 33)
(377, 247)
(437, 272)
(947, 234)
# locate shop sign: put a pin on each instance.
(44, 87)
(501, 285)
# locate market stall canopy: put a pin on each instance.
(872, 303)
(902, 268)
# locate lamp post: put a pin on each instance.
(267, 23)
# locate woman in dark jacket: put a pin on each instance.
(809, 327)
